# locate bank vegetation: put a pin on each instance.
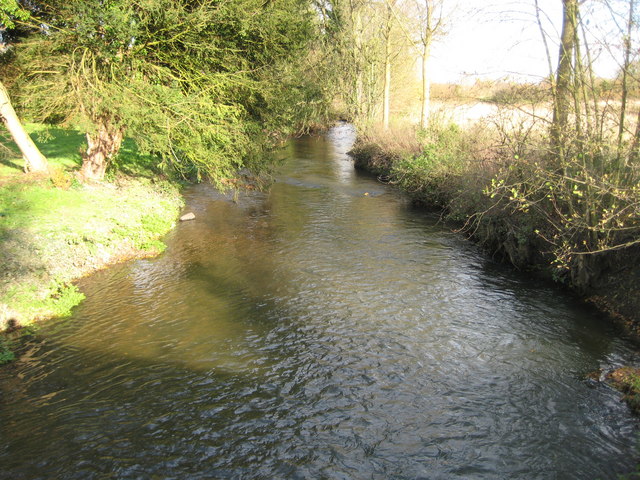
(544, 175)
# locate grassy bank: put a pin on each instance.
(576, 221)
(54, 229)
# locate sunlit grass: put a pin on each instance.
(55, 229)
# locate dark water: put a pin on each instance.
(321, 330)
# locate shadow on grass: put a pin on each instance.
(63, 147)
(8, 163)
(59, 145)
(8, 151)
(22, 269)
(129, 161)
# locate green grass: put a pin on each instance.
(62, 148)
(6, 355)
(54, 230)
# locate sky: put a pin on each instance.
(501, 39)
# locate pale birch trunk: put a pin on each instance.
(426, 87)
(34, 161)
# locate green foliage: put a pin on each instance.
(50, 236)
(443, 157)
(201, 87)
(10, 11)
(63, 299)
(6, 355)
(627, 380)
(585, 203)
(56, 300)
(144, 235)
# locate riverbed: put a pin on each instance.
(323, 328)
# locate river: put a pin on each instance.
(324, 329)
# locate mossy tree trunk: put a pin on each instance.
(102, 145)
(34, 161)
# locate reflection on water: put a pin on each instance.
(323, 329)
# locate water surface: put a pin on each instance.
(322, 329)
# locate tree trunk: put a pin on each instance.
(426, 87)
(387, 94)
(359, 53)
(102, 146)
(563, 97)
(625, 75)
(427, 38)
(634, 156)
(34, 161)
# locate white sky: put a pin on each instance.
(501, 38)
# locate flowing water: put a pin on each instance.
(321, 330)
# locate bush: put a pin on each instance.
(431, 175)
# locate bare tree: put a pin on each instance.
(431, 24)
(564, 75)
(387, 30)
(422, 24)
(625, 74)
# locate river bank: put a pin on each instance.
(55, 230)
(454, 171)
(456, 175)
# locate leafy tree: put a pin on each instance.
(201, 84)
(10, 10)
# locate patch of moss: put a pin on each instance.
(29, 301)
(62, 301)
(627, 380)
(6, 355)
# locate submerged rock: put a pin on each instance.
(187, 216)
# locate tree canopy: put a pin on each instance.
(10, 10)
(203, 85)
